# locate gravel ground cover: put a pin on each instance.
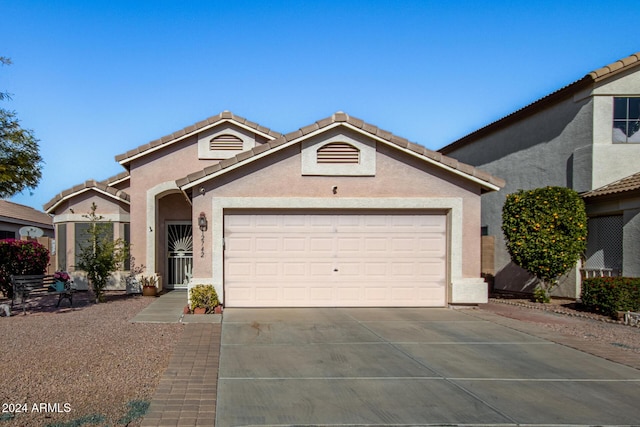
(86, 365)
(567, 317)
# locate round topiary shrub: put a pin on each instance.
(546, 232)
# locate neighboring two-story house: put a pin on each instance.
(585, 137)
(337, 213)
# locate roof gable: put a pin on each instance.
(596, 76)
(487, 181)
(225, 116)
(102, 187)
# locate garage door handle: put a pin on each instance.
(335, 269)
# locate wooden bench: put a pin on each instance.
(39, 284)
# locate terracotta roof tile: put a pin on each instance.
(356, 122)
(402, 142)
(116, 178)
(24, 214)
(260, 149)
(213, 168)
(339, 117)
(308, 129)
(324, 122)
(630, 183)
(293, 135)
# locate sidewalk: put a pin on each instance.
(168, 308)
(186, 395)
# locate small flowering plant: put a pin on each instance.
(149, 281)
(62, 276)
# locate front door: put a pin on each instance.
(179, 254)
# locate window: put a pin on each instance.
(127, 239)
(7, 234)
(225, 142)
(83, 237)
(338, 153)
(626, 119)
(61, 247)
(604, 244)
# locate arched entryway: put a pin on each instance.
(174, 241)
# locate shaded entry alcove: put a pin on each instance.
(175, 241)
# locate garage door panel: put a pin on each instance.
(335, 260)
(294, 244)
(321, 245)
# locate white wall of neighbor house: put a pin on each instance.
(612, 161)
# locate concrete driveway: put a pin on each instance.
(408, 367)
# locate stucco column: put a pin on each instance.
(631, 243)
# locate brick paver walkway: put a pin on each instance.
(186, 395)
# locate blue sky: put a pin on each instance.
(94, 79)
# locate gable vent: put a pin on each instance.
(338, 152)
(225, 142)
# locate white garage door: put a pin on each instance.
(332, 260)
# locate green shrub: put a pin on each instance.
(608, 295)
(20, 257)
(100, 255)
(204, 296)
(545, 231)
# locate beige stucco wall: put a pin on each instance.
(398, 177)
(153, 177)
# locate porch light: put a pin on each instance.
(202, 222)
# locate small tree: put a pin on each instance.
(20, 160)
(100, 255)
(545, 231)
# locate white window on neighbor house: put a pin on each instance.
(626, 120)
(338, 153)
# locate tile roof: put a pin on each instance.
(91, 184)
(117, 178)
(629, 183)
(191, 130)
(343, 118)
(594, 76)
(23, 213)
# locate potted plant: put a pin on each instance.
(204, 299)
(149, 286)
(61, 278)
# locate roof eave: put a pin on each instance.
(66, 197)
(489, 186)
